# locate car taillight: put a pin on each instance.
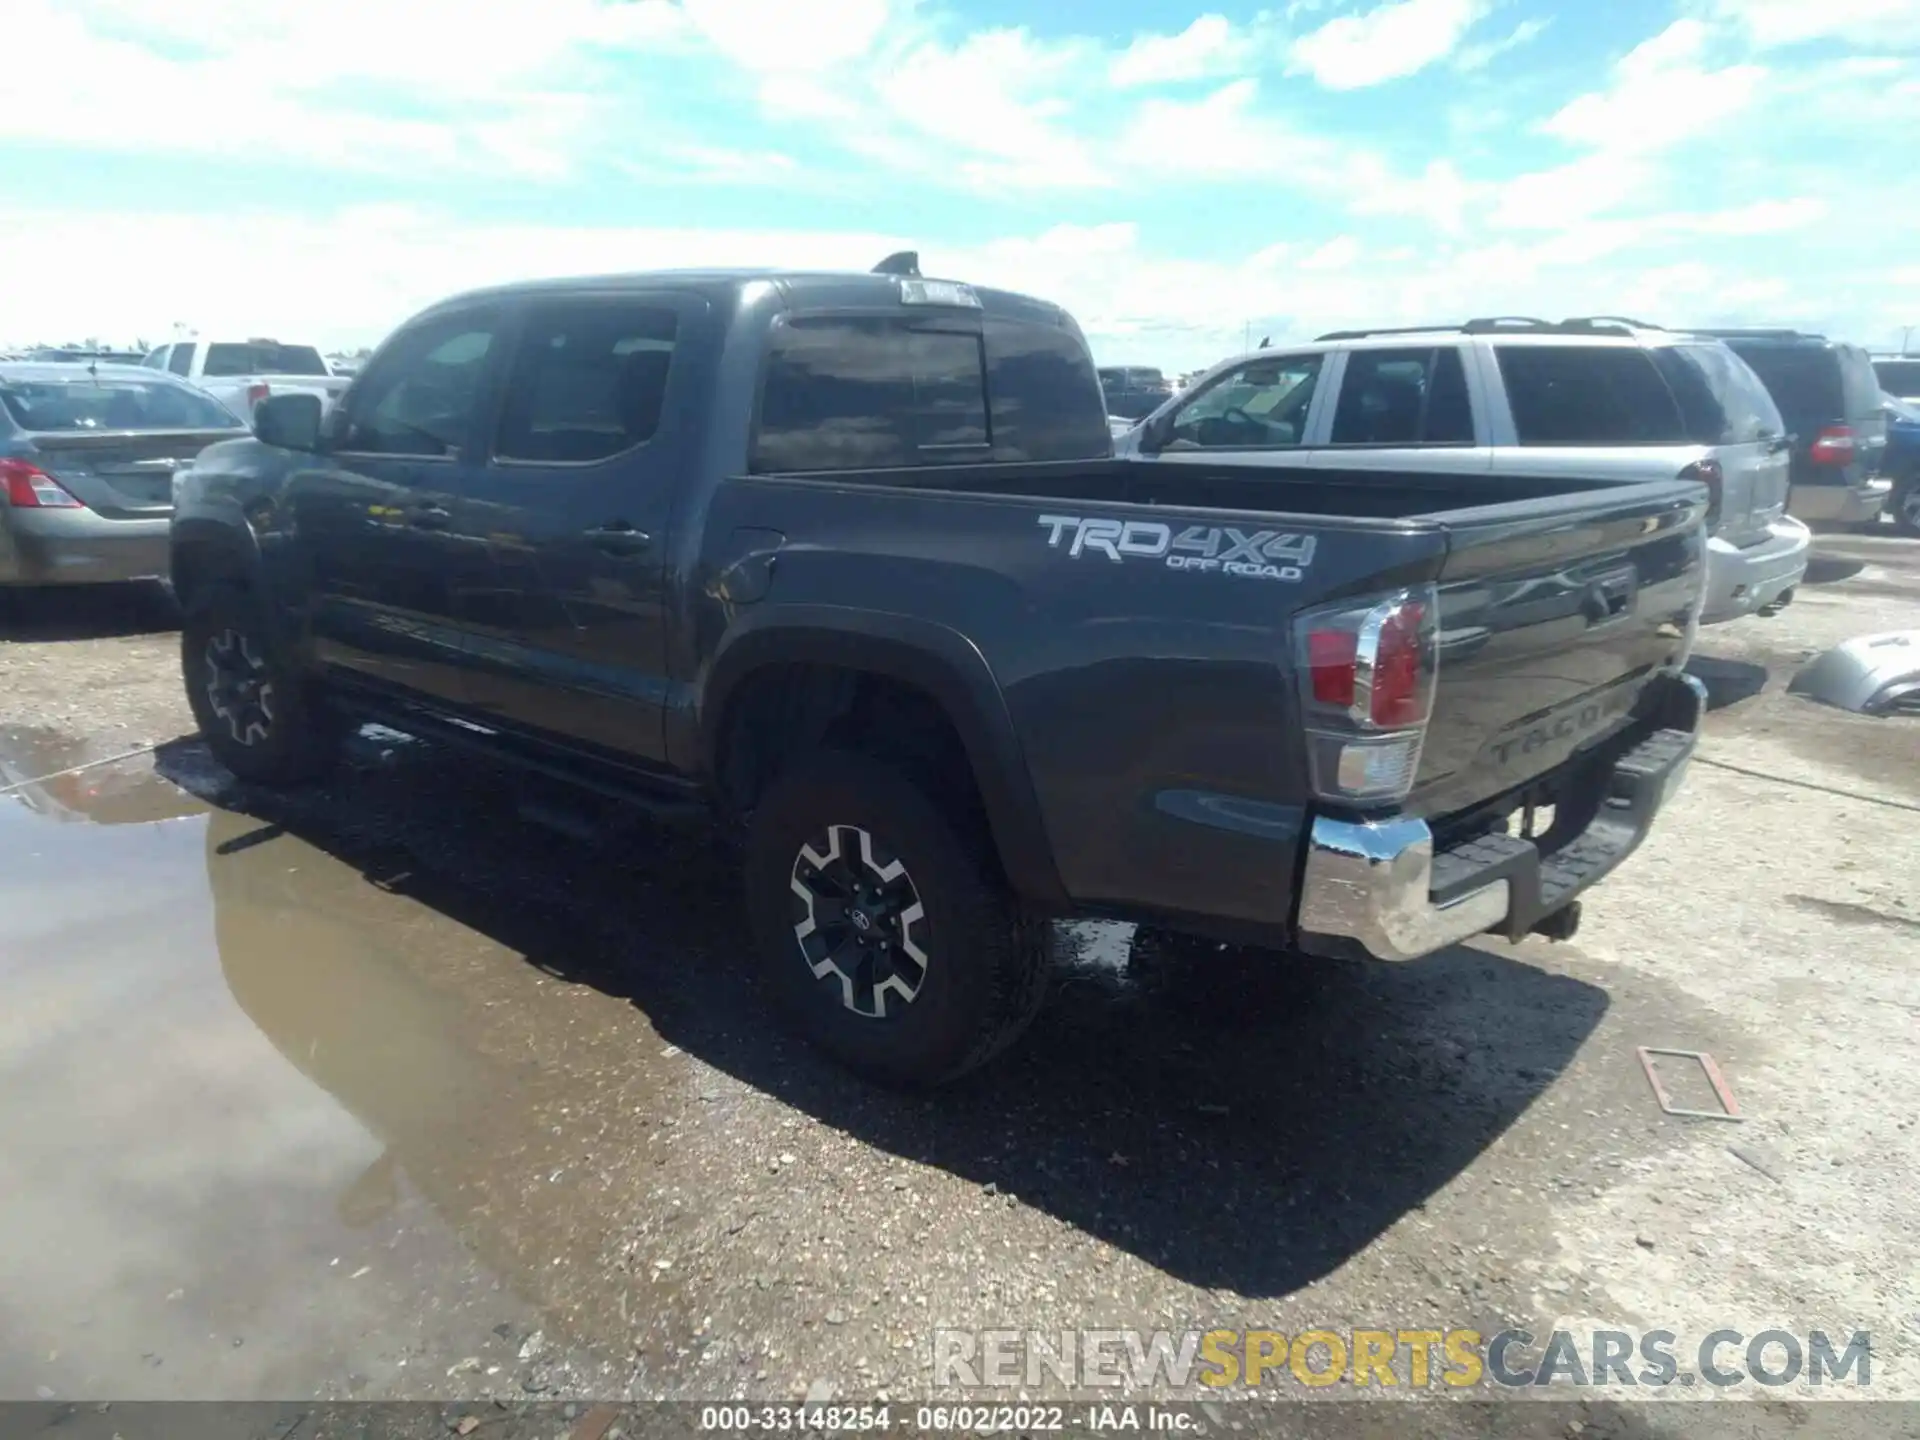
(1367, 674)
(1709, 474)
(28, 487)
(1832, 446)
(257, 392)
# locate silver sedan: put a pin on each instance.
(87, 458)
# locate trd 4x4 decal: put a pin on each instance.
(1262, 555)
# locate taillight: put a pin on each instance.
(1366, 686)
(1709, 474)
(1832, 446)
(31, 488)
(257, 392)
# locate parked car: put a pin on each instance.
(1900, 463)
(1899, 376)
(242, 373)
(88, 455)
(1133, 391)
(1827, 391)
(1597, 398)
(67, 355)
(848, 562)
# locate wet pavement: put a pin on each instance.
(378, 1090)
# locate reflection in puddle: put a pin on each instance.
(257, 1104)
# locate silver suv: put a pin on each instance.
(1592, 397)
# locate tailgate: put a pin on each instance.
(1553, 617)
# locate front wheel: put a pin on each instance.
(256, 712)
(884, 932)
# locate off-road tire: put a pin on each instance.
(293, 740)
(987, 962)
(1904, 505)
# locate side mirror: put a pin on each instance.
(1153, 433)
(288, 422)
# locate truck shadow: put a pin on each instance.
(1246, 1123)
(85, 612)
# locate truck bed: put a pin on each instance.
(1274, 490)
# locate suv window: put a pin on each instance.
(1722, 401)
(1860, 385)
(589, 380)
(262, 357)
(1045, 404)
(1898, 377)
(419, 398)
(1404, 397)
(853, 393)
(181, 361)
(1261, 405)
(1588, 395)
(1804, 381)
(157, 359)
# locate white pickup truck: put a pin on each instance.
(242, 373)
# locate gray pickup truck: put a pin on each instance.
(847, 561)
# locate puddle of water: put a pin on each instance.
(38, 769)
(254, 1097)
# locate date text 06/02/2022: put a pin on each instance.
(939, 1419)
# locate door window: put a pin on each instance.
(1262, 405)
(419, 398)
(1404, 397)
(181, 361)
(589, 381)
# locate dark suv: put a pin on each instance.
(1134, 392)
(1828, 394)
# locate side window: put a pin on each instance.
(181, 361)
(1046, 402)
(1721, 400)
(420, 398)
(1404, 397)
(1588, 395)
(1262, 405)
(856, 393)
(157, 359)
(589, 380)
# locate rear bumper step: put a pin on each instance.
(1379, 888)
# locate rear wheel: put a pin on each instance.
(885, 933)
(1906, 506)
(258, 714)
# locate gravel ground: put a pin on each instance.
(538, 1099)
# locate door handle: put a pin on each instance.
(617, 537)
(427, 516)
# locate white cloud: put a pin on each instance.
(1208, 46)
(1873, 24)
(1662, 93)
(780, 36)
(1478, 57)
(1386, 43)
(283, 275)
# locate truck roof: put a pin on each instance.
(804, 289)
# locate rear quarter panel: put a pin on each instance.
(1139, 694)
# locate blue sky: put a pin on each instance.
(1180, 175)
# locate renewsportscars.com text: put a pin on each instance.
(1132, 1360)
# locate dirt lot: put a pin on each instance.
(379, 1092)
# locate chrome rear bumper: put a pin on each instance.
(1377, 886)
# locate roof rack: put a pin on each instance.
(1596, 321)
(901, 262)
(1757, 333)
(1497, 324)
